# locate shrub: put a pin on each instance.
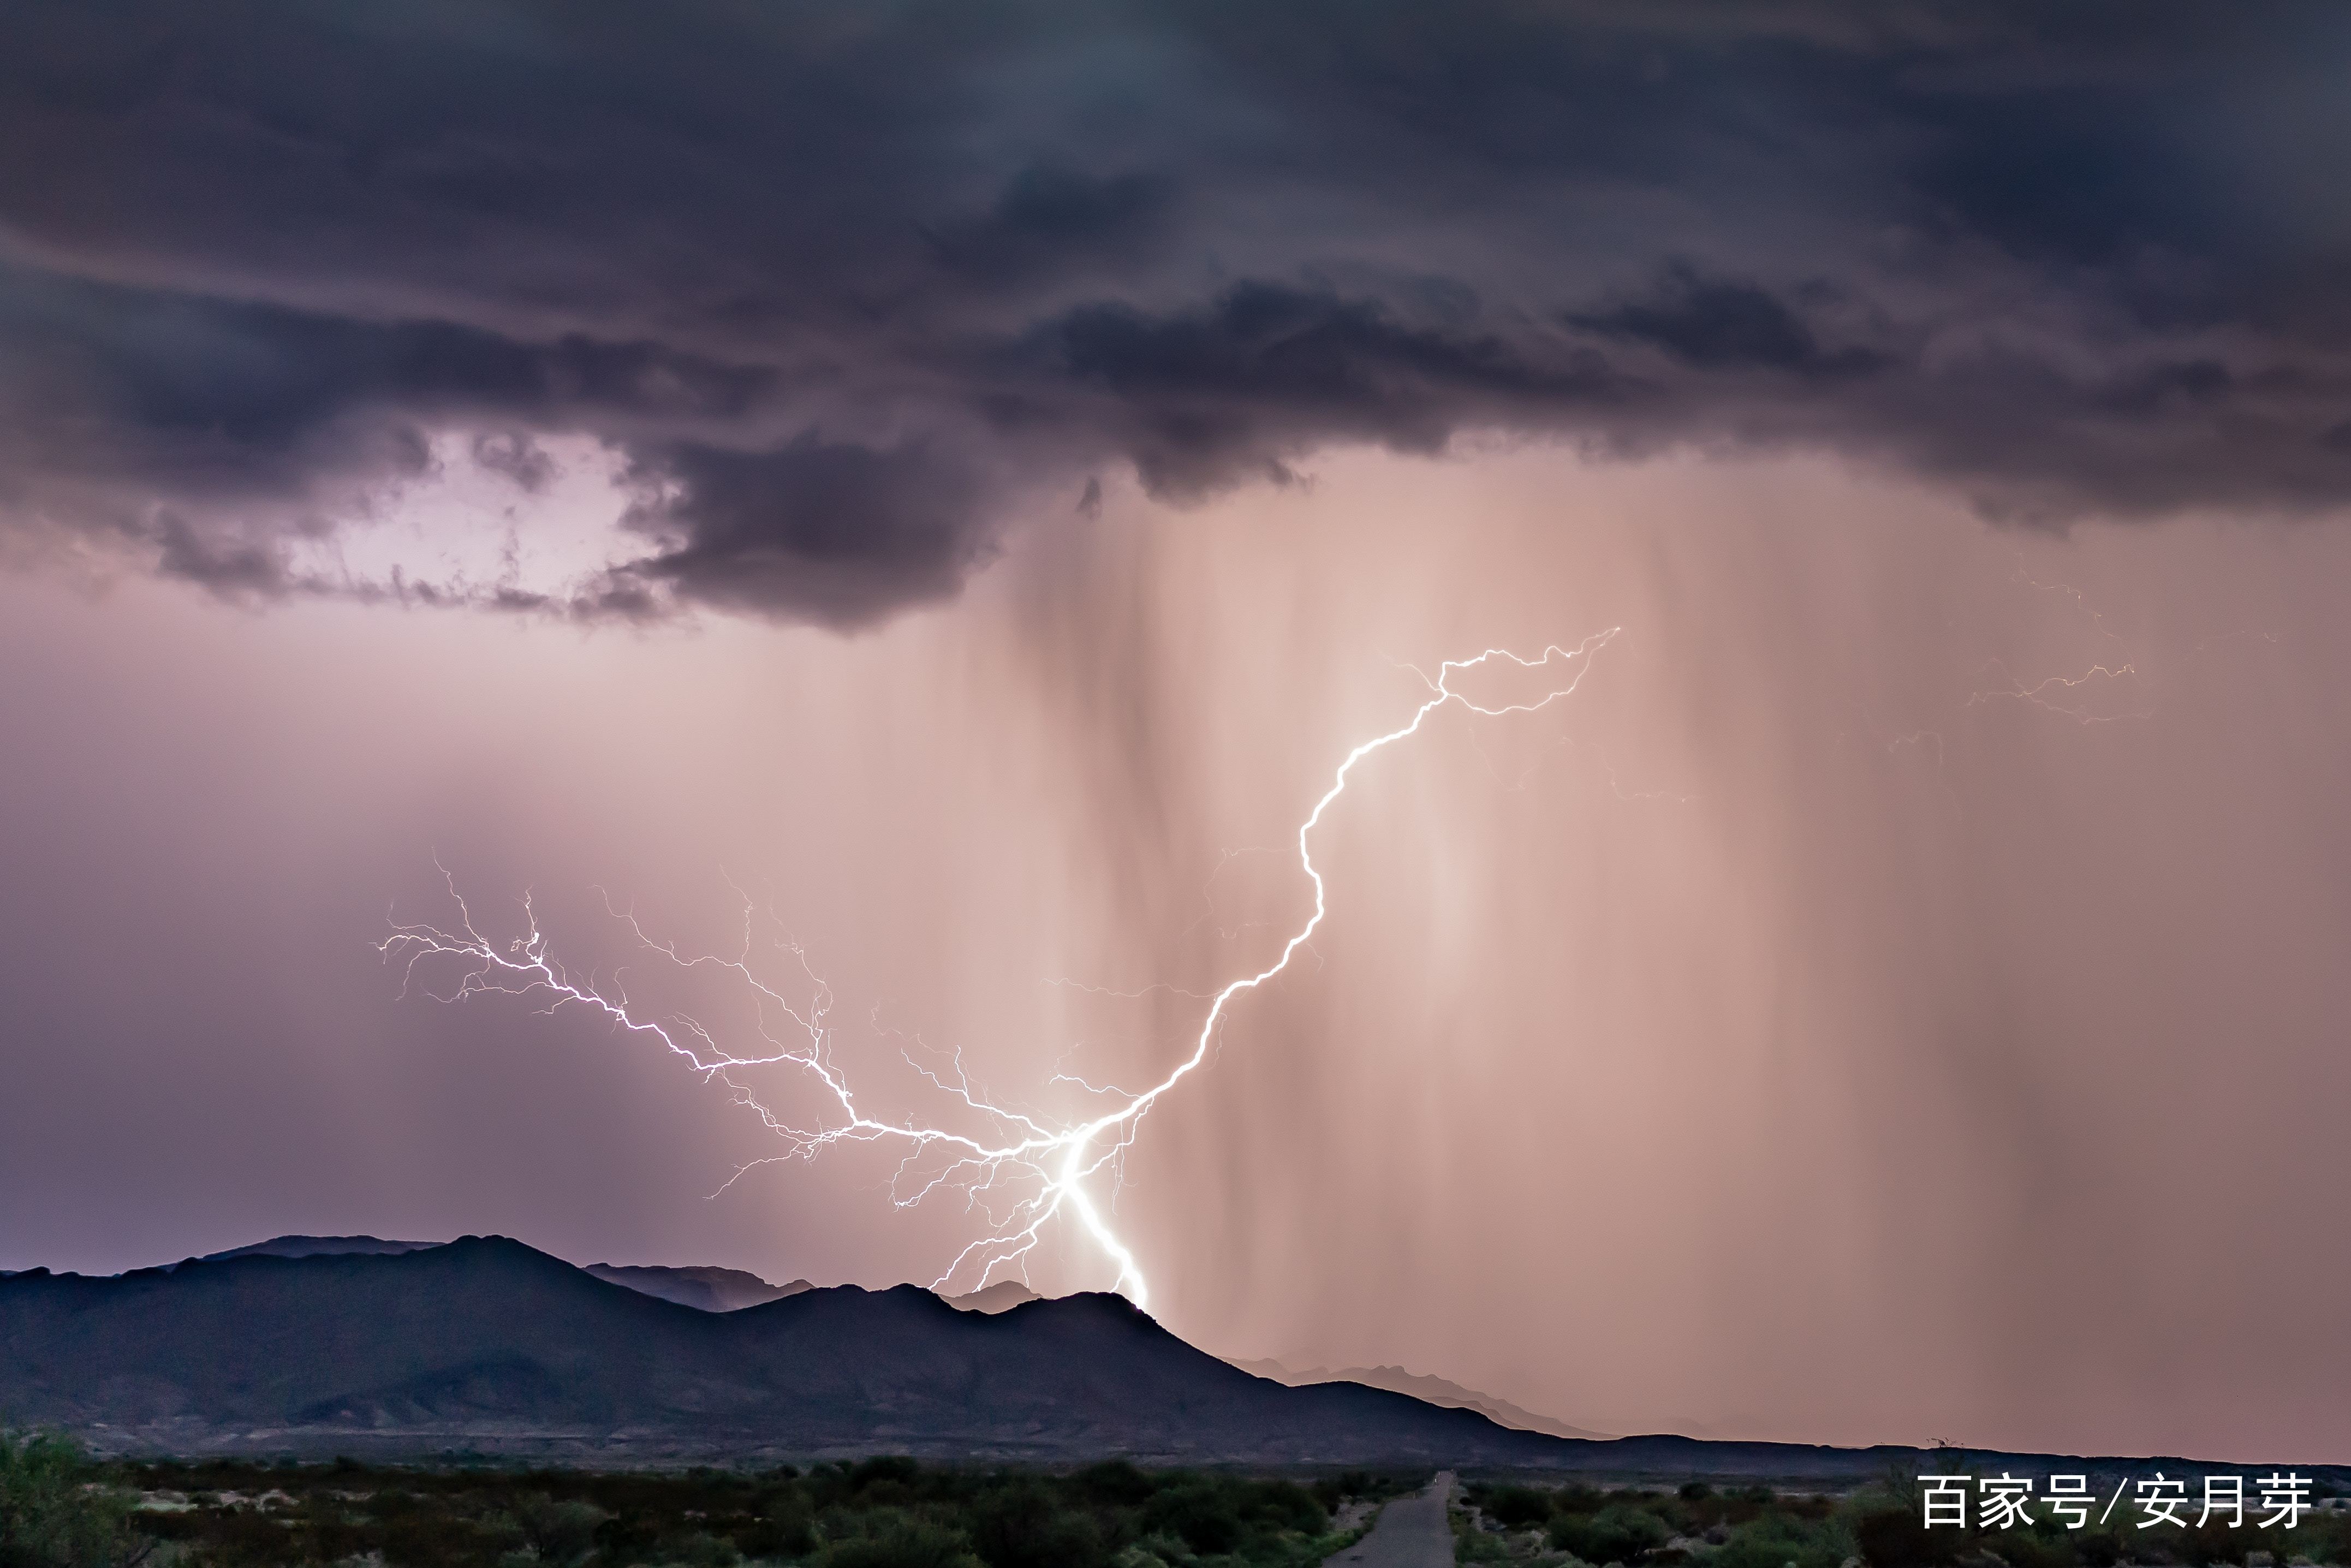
(561, 1533)
(1114, 1481)
(2024, 1549)
(1617, 1533)
(1020, 1525)
(51, 1512)
(1199, 1513)
(1777, 1539)
(904, 1544)
(1515, 1508)
(427, 1537)
(1283, 1505)
(2098, 1549)
(1472, 1546)
(1898, 1538)
(884, 1468)
(701, 1550)
(783, 1526)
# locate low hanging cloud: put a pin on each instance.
(849, 288)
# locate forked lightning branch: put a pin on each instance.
(1021, 1174)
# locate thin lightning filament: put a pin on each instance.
(1023, 1174)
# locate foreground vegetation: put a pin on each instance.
(880, 1513)
(54, 1509)
(1880, 1527)
(59, 1509)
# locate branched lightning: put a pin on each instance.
(2061, 694)
(1020, 1174)
(2039, 693)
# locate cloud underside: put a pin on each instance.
(845, 289)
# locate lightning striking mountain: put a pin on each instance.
(1022, 1172)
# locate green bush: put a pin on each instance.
(1515, 1508)
(1620, 1532)
(2099, 1548)
(1332, 1490)
(1283, 1505)
(1115, 1482)
(884, 1468)
(1201, 1514)
(1898, 1538)
(626, 1537)
(560, 1533)
(1020, 1525)
(1577, 1498)
(902, 1543)
(1471, 1545)
(2029, 1549)
(1777, 1539)
(700, 1549)
(432, 1536)
(782, 1525)
(53, 1511)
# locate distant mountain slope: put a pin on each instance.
(1435, 1390)
(319, 1247)
(710, 1289)
(1001, 1297)
(707, 1289)
(486, 1345)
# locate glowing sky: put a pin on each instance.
(969, 490)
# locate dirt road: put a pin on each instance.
(1411, 1533)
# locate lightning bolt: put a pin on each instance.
(2066, 689)
(2035, 693)
(1021, 1174)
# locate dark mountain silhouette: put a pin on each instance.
(1434, 1390)
(319, 1247)
(486, 1346)
(710, 1289)
(1001, 1297)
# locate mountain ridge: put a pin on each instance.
(1001, 1297)
(1423, 1387)
(486, 1344)
(706, 1288)
(485, 1347)
(319, 1247)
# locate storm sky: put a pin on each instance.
(964, 476)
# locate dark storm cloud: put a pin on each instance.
(1712, 325)
(216, 394)
(837, 532)
(1050, 222)
(1194, 397)
(849, 287)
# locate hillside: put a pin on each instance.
(1434, 1390)
(708, 1290)
(487, 1344)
